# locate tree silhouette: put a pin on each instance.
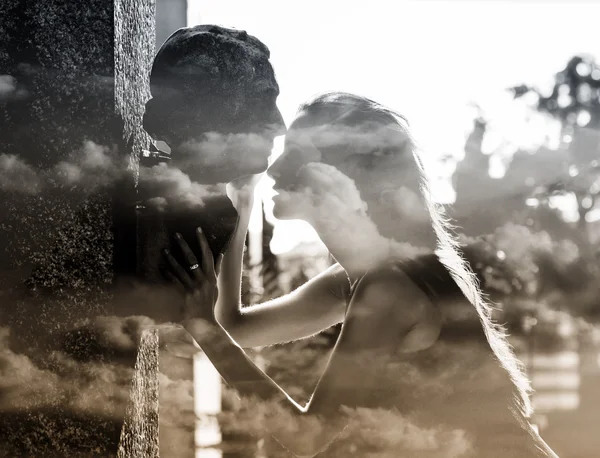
(553, 153)
(574, 101)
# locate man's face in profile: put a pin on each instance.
(215, 103)
(244, 122)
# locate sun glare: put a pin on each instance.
(406, 65)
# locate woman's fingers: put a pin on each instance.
(191, 259)
(170, 277)
(179, 272)
(185, 249)
(208, 266)
(173, 280)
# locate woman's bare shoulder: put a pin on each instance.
(389, 286)
(392, 303)
(336, 279)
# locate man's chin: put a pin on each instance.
(256, 168)
(229, 176)
(261, 166)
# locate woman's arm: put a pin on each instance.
(373, 331)
(315, 306)
(314, 431)
(231, 361)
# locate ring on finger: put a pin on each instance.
(194, 267)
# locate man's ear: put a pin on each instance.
(149, 120)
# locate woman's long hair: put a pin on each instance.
(351, 110)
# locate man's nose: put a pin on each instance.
(274, 171)
(277, 125)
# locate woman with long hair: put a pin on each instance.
(351, 169)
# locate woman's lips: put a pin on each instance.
(287, 188)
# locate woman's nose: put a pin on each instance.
(283, 168)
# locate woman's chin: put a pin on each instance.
(283, 208)
(280, 211)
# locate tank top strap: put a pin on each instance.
(424, 275)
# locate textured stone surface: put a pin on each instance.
(56, 234)
(134, 51)
(60, 61)
(139, 436)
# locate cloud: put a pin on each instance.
(95, 387)
(168, 186)
(18, 176)
(171, 187)
(390, 431)
(227, 150)
(22, 383)
(93, 166)
(432, 384)
(332, 202)
(110, 333)
(63, 382)
(8, 86)
(382, 432)
(365, 139)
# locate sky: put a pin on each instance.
(427, 59)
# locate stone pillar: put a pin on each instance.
(134, 49)
(139, 436)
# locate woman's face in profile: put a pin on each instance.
(357, 169)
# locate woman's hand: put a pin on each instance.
(199, 278)
(241, 193)
(331, 189)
